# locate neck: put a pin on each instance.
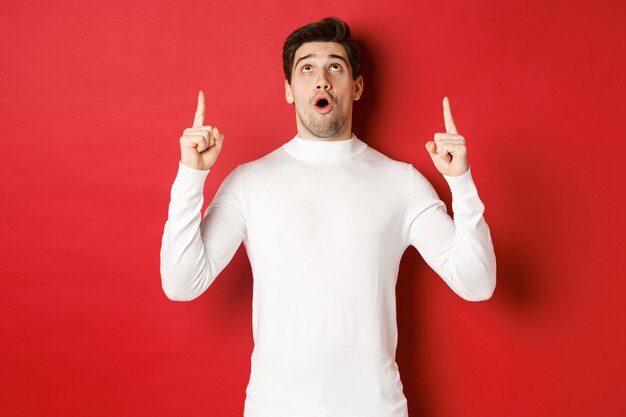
(344, 133)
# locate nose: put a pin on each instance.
(322, 83)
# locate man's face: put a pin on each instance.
(322, 72)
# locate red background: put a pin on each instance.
(93, 99)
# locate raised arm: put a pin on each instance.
(459, 250)
(194, 250)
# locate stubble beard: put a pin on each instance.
(325, 126)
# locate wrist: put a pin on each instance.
(194, 166)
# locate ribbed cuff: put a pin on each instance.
(461, 184)
(190, 179)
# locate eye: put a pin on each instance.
(335, 67)
(306, 68)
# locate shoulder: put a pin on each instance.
(259, 168)
(393, 166)
(407, 173)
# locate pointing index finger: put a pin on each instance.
(447, 117)
(198, 119)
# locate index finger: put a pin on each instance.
(198, 119)
(447, 117)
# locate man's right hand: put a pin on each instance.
(200, 145)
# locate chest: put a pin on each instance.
(320, 205)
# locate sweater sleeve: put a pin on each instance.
(194, 250)
(460, 251)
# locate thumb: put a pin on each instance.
(219, 138)
(431, 147)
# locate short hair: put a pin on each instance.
(329, 29)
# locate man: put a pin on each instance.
(325, 220)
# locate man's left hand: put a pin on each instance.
(448, 150)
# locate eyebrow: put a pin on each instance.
(313, 55)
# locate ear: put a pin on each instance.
(288, 93)
(358, 88)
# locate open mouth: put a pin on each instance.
(323, 105)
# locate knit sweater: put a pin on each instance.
(324, 224)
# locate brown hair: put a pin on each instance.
(329, 29)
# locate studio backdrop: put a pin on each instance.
(94, 97)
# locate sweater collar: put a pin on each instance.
(324, 150)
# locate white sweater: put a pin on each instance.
(324, 224)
